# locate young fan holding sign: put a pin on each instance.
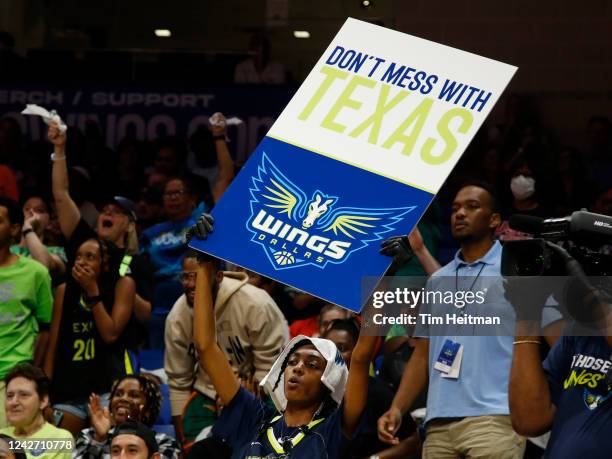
(318, 401)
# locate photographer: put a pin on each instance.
(571, 392)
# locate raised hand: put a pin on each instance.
(86, 278)
(55, 136)
(202, 228)
(31, 220)
(100, 418)
(218, 124)
(397, 247)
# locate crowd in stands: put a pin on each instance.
(96, 275)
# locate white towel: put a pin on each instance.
(334, 376)
(47, 116)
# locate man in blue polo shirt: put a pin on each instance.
(467, 403)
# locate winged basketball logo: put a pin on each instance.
(298, 229)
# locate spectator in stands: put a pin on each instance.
(525, 193)
(134, 440)
(133, 398)
(478, 418)
(170, 156)
(88, 344)
(11, 148)
(25, 299)
(259, 68)
(165, 243)
(149, 208)
(131, 155)
(344, 334)
(36, 212)
(318, 402)
(8, 183)
(8, 449)
(526, 189)
(316, 326)
(251, 332)
(116, 223)
(27, 396)
(10, 139)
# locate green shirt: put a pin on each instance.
(25, 301)
(53, 250)
(59, 442)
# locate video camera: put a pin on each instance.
(582, 234)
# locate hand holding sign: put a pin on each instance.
(356, 156)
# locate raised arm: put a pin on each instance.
(403, 248)
(68, 213)
(429, 263)
(112, 325)
(37, 249)
(205, 336)
(356, 393)
(531, 408)
(224, 159)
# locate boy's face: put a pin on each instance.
(128, 446)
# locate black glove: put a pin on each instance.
(527, 295)
(202, 228)
(397, 247)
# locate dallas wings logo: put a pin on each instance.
(296, 230)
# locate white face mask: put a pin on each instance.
(522, 187)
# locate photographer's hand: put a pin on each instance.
(527, 295)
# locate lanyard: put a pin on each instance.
(278, 445)
(125, 265)
(471, 286)
(473, 283)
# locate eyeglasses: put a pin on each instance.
(185, 277)
(174, 194)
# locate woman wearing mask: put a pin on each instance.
(524, 194)
(87, 349)
(318, 401)
(133, 397)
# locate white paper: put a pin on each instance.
(47, 116)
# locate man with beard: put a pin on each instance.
(116, 223)
(467, 409)
(251, 330)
